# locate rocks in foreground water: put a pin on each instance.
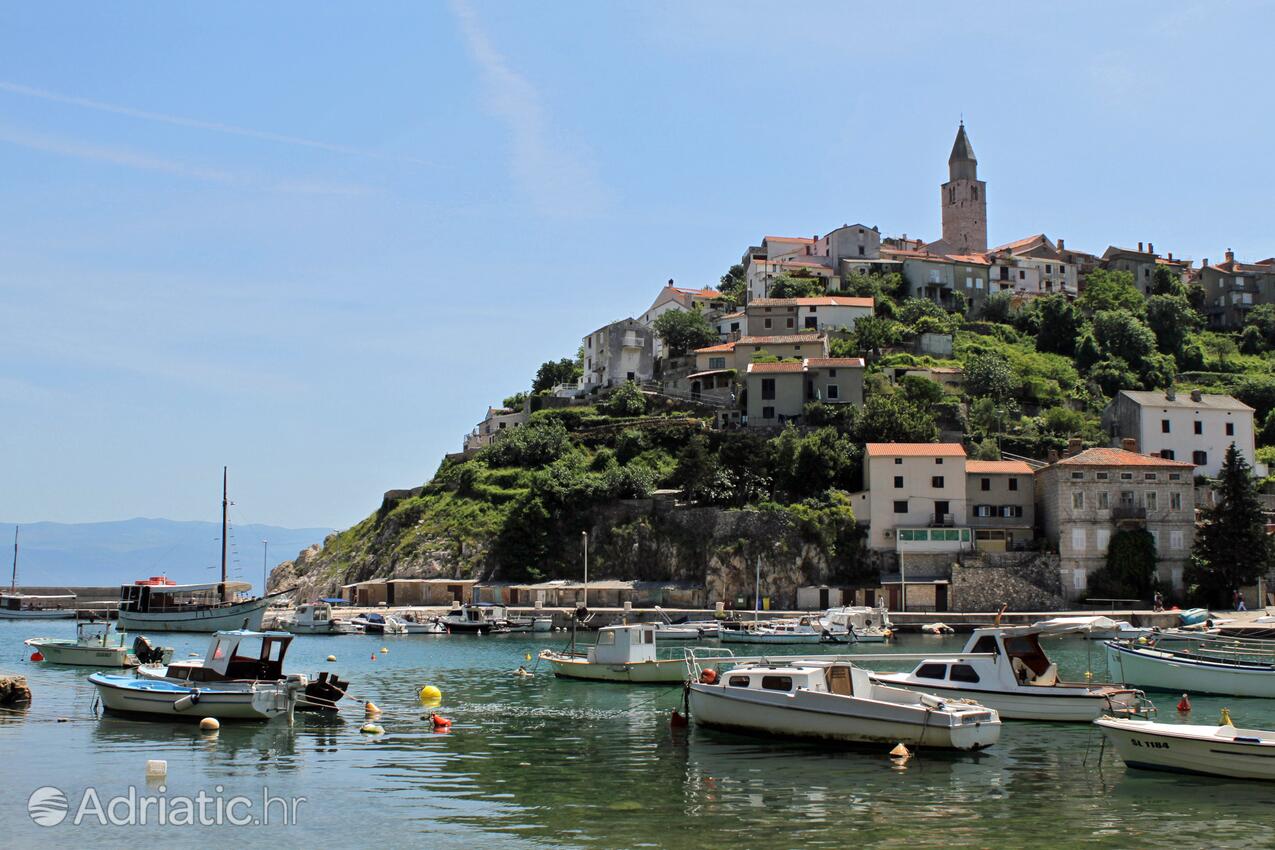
(14, 690)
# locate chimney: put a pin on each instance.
(1230, 255)
(1061, 245)
(1170, 256)
(1196, 395)
(1052, 457)
(1169, 394)
(1150, 248)
(1129, 444)
(1139, 247)
(670, 281)
(1204, 264)
(1074, 446)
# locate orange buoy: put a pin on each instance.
(1184, 704)
(373, 656)
(440, 722)
(708, 677)
(37, 656)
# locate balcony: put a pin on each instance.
(942, 521)
(1128, 512)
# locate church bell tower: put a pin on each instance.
(964, 200)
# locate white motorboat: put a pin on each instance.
(1229, 668)
(805, 630)
(419, 624)
(476, 620)
(1005, 668)
(250, 700)
(684, 629)
(314, 618)
(378, 624)
(243, 657)
(861, 623)
(1097, 628)
(835, 701)
(622, 654)
(1223, 751)
(94, 646)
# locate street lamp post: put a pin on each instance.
(584, 539)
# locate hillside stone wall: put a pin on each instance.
(1023, 581)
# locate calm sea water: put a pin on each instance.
(546, 763)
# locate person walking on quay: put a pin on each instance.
(1239, 601)
(1157, 602)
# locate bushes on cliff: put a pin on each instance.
(534, 445)
(628, 400)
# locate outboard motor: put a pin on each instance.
(147, 652)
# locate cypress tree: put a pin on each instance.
(1232, 548)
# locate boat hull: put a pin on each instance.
(51, 614)
(1053, 704)
(782, 639)
(1149, 668)
(162, 699)
(662, 671)
(1192, 749)
(238, 615)
(56, 651)
(780, 715)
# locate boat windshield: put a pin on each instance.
(1026, 649)
(257, 658)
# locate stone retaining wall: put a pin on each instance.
(1023, 581)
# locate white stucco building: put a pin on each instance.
(1196, 427)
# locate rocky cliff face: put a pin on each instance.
(643, 539)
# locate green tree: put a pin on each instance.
(1108, 290)
(536, 444)
(1252, 341)
(874, 285)
(893, 419)
(1112, 374)
(1088, 352)
(1130, 569)
(921, 391)
(1262, 317)
(1166, 281)
(808, 465)
(1232, 547)
(515, 401)
(787, 286)
(998, 308)
(988, 375)
(734, 284)
(1059, 327)
(554, 372)
(1258, 392)
(1171, 319)
(872, 333)
(627, 400)
(1121, 334)
(1064, 422)
(1220, 346)
(696, 470)
(683, 331)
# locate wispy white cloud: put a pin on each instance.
(554, 171)
(198, 124)
(145, 162)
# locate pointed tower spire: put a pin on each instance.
(962, 164)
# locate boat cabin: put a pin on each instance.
(239, 654)
(841, 679)
(1020, 645)
(24, 602)
(314, 614)
(624, 644)
(146, 598)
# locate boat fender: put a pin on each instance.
(371, 708)
(900, 752)
(372, 729)
(37, 656)
(708, 677)
(440, 722)
(331, 658)
(209, 724)
(1184, 704)
(189, 700)
(384, 650)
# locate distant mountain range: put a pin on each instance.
(108, 553)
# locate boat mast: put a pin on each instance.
(225, 503)
(13, 583)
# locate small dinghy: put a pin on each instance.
(835, 701)
(94, 646)
(1223, 751)
(1207, 666)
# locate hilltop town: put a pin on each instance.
(936, 424)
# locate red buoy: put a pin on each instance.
(440, 722)
(678, 720)
(1184, 705)
(37, 656)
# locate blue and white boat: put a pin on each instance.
(250, 700)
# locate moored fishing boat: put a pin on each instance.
(378, 624)
(250, 700)
(24, 606)
(314, 618)
(805, 630)
(476, 620)
(835, 701)
(1229, 668)
(621, 654)
(860, 623)
(419, 624)
(93, 646)
(1223, 751)
(1006, 668)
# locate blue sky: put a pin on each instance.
(313, 241)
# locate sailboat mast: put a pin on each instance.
(225, 504)
(13, 583)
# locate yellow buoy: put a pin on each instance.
(429, 692)
(527, 656)
(900, 752)
(372, 729)
(371, 708)
(331, 658)
(384, 649)
(1226, 718)
(210, 724)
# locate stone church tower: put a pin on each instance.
(964, 201)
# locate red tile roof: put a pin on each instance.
(970, 259)
(774, 368)
(835, 362)
(786, 339)
(787, 239)
(1119, 457)
(914, 450)
(699, 293)
(713, 349)
(991, 467)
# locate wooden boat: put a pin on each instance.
(23, 606)
(1223, 751)
(249, 657)
(92, 646)
(1006, 668)
(151, 606)
(1228, 668)
(835, 701)
(249, 700)
(622, 654)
